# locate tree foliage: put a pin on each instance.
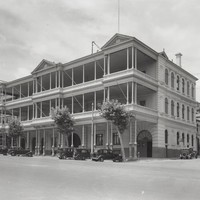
(115, 112)
(15, 127)
(63, 119)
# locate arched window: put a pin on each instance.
(166, 105)
(192, 114)
(172, 80)
(188, 113)
(188, 140)
(178, 83)
(183, 138)
(172, 107)
(183, 86)
(166, 137)
(183, 112)
(178, 110)
(177, 138)
(192, 140)
(188, 88)
(166, 76)
(192, 90)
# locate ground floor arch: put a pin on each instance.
(76, 140)
(144, 141)
(23, 143)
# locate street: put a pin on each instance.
(48, 178)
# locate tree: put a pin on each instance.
(63, 120)
(15, 128)
(115, 112)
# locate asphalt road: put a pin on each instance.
(47, 178)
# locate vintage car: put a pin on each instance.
(19, 151)
(65, 153)
(81, 154)
(188, 154)
(107, 154)
(3, 150)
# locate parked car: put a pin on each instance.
(3, 150)
(81, 154)
(64, 153)
(188, 154)
(19, 151)
(107, 154)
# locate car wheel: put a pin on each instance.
(101, 159)
(12, 154)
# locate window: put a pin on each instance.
(192, 90)
(99, 139)
(183, 86)
(178, 83)
(188, 140)
(142, 103)
(116, 140)
(172, 80)
(188, 88)
(188, 113)
(1, 140)
(177, 138)
(178, 108)
(166, 105)
(172, 107)
(183, 138)
(192, 114)
(183, 112)
(166, 137)
(166, 76)
(192, 140)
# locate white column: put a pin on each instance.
(83, 73)
(132, 98)
(83, 135)
(127, 93)
(107, 133)
(44, 142)
(19, 145)
(27, 141)
(53, 147)
(135, 99)
(108, 64)
(36, 141)
(111, 135)
(95, 131)
(135, 54)
(130, 140)
(132, 54)
(72, 140)
(127, 57)
(135, 140)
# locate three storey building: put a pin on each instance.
(160, 93)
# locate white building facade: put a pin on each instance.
(160, 93)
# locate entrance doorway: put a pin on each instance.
(76, 140)
(23, 143)
(144, 142)
(33, 144)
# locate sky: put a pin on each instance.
(63, 30)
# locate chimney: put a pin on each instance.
(178, 59)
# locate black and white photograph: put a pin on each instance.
(99, 100)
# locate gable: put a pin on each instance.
(116, 39)
(164, 54)
(44, 64)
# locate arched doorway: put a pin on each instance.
(144, 141)
(76, 140)
(23, 143)
(33, 144)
